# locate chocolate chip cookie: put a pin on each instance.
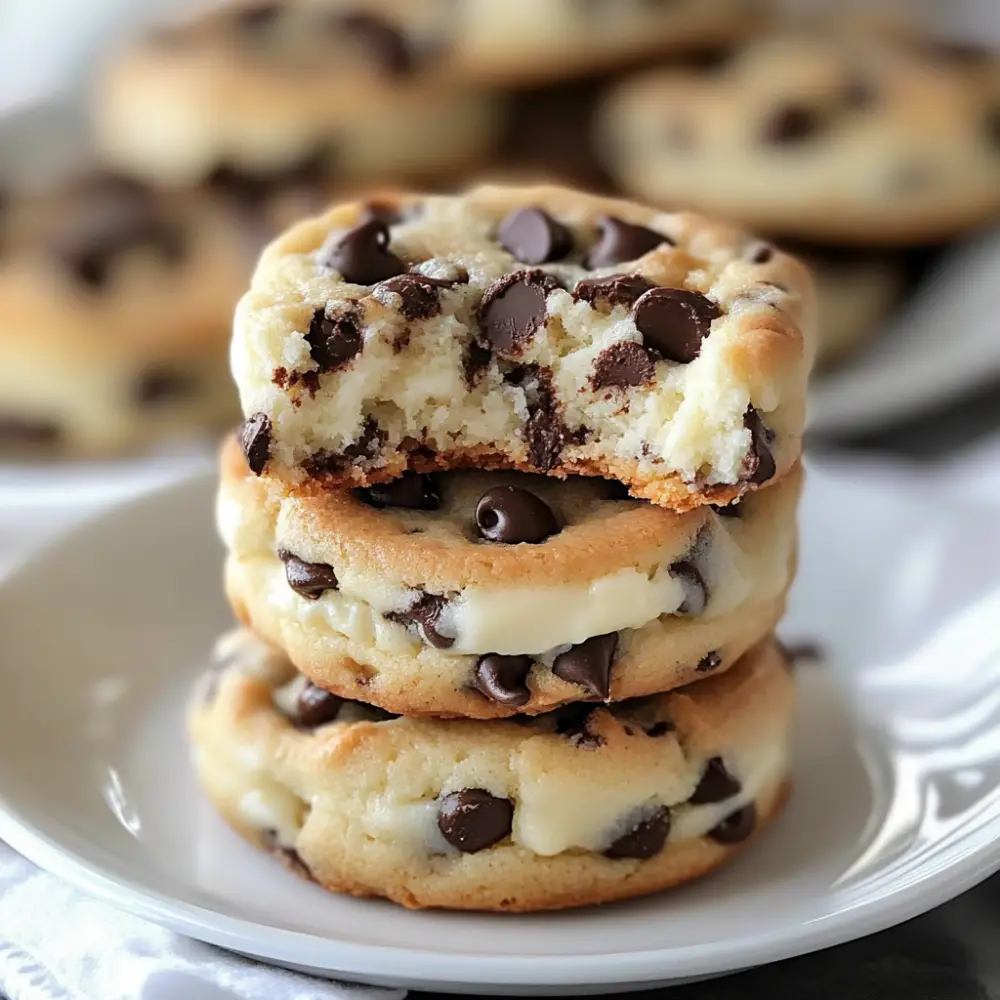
(115, 308)
(254, 90)
(490, 594)
(537, 329)
(582, 805)
(830, 138)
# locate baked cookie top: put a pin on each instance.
(537, 329)
(824, 136)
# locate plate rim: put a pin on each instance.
(419, 966)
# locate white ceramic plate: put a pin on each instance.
(896, 806)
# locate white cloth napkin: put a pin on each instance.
(57, 943)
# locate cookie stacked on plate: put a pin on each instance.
(510, 522)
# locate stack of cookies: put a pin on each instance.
(510, 522)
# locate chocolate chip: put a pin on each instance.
(716, 784)
(473, 820)
(28, 431)
(383, 212)
(709, 662)
(333, 340)
(502, 678)
(474, 363)
(424, 615)
(160, 385)
(993, 127)
(362, 254)
(384, 44)
(762, 254)
(291, 857)
(621, 365)
(413, 490)
(661, 728)
(620, 241)
(736, 827)
(695, 588)
(792, 124)
(255, 439)
(308, 579)
(859, 94)
(618, 290)
(534, 237)
(513, 309)
(589, 664)
(727, 509)
(759, 465)
(674, 322)
(511, 515)
(316, 707)
(573, 722)
(369, 442)
(645, 839)
(419, 295)
(255, 16)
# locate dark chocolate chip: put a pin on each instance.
(859, 94)
(573, 722)
(384, 44)
(513, 309)
(419, 295)
(618, 290)
(423, 615)
(534, 237)
(620, 241)
(792, 124)
(695, 588)
(716, 784)
(660, 728)
(993, 127)
(674, 322)
(589, 664)
(362, 254)
(511, 515)
(161, 385)
(308, 579)
(709, 662)
(369, 442)
(255, 439)
(736, 827)
(622, 365)
(475, 362)
(270, 843)
(28, 431)
(256, 16)
(759, 463)
(762, 254)
(727, 509)
(502, 678)
(413, 490)
(473, 820)
(645, 839)
(316, 707)
(333, 340)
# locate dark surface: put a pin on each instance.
(952, 953)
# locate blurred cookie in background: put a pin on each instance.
(833, 138)
(855, 294)
(254, 91)
(115, 310)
